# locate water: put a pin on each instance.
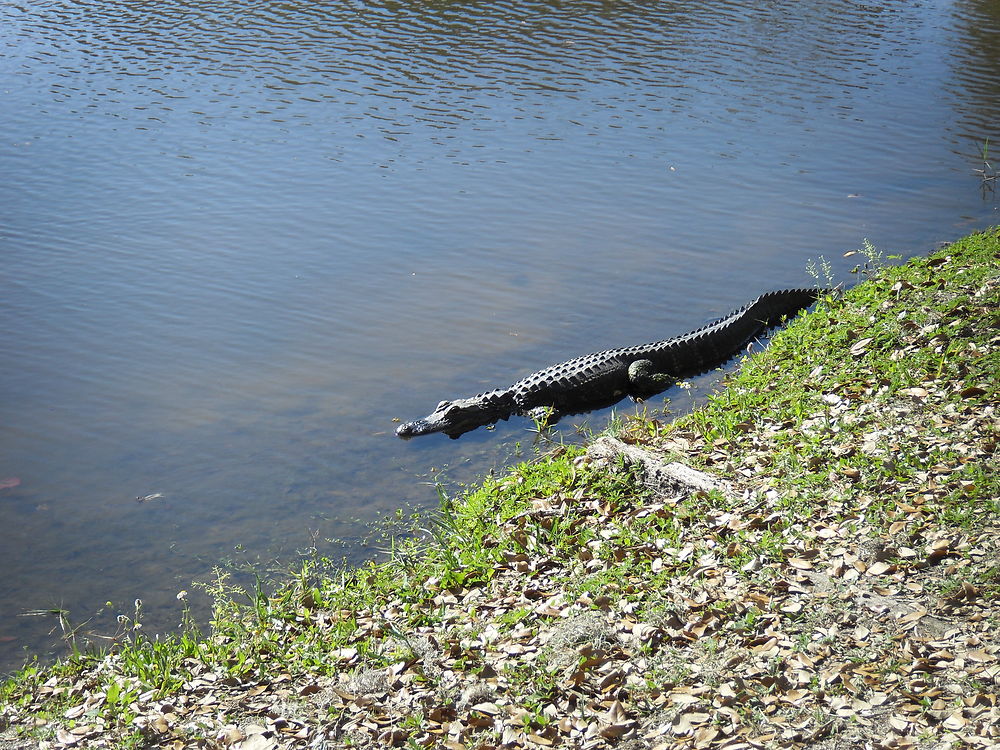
(237, 240)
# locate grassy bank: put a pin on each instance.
(809, 561)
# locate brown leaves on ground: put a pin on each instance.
(835, 640)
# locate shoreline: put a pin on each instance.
(810, 560)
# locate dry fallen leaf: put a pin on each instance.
(859, 348)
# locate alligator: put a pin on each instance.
(601, 379)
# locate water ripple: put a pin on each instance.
(774, 54)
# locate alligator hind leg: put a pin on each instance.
(644, 381)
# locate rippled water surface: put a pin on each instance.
(238, 239)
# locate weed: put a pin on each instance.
(875, 259)
(822, 272)
(987, 173)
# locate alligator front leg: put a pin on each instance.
(644, 381)
(543, 416)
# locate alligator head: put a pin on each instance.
(455, 418)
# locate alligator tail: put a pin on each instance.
(770, 308)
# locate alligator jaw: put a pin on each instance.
(455, 418)
(417, 427)
(444, 418)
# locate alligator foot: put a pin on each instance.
(645, 381)
(543, 416)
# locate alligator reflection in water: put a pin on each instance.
(597, 380)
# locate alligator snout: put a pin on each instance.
(412, 429)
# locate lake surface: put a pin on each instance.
(238, 239)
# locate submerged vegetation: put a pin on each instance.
(987, 173)
(813, 558)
